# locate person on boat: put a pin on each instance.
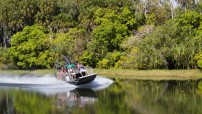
(80, 67)
(63, 69)
(62, 73)
(70, 66)
(70, 70)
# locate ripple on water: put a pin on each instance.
(48, 83)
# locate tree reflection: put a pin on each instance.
(76, 98)
(20, 101)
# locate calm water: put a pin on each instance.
(45, 95)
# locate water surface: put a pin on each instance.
(46, 95)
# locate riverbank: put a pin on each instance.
(128, 74)
(192, 74)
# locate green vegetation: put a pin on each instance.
(150, 74)
(115, 74)
(106, 34)
(31, 47)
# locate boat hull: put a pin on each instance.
(84, 79)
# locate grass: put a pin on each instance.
(128, 74)
(151, 74)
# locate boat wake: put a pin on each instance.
(48, 84)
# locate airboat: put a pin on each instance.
(77, 75)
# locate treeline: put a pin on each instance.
(132, 34)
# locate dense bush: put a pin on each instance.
(101, 33)
(32, 48)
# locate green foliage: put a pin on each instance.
(159, 15)
(188, 23)
(151, 19)
(107, 3)
(71, 44)
(16, 14)
(89, 58)
(62, 44)
(199, 7)
(172, 45)
(111, 28)
(200, 85)
(79, 40)
(198, 59)
(3, 59)
(104, 63)
(110, 60)
(32, 48)
(96, 30)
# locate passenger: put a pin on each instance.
(80, 67)
(63, 69)
(62, 72)
(70, 65)
(70, 69)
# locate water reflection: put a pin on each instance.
(15, 100)
(160, 97)
(76, 98)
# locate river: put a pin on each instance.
(46, 95)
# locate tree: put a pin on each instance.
(198, 47)
(31, 48)
(71, 44)
(14, 16)
(187, 4)
(199, 7)
(112, 27)
(188, 23)
(79, 40)
(172, 45)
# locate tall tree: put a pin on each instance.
(14, 15)
(186, 4)
(31, 48)
(199, 6)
